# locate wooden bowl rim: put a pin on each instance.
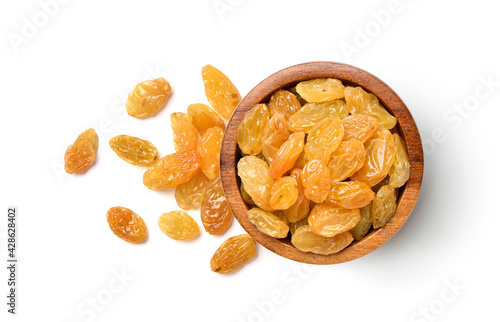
(349, 75)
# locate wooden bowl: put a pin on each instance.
(349, 75)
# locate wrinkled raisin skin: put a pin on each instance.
(380, 155)
(307, 241)
(363, 226)
(134, 150)
(351, 194)
(172, 170)
(348, 158)
(359, 126)
(320, 89)
(328, 219)
(268, 223)
(312, 113)
(254, 174)
(127, 225)
(323, 139)
(274, 135)
(287, 154)
(178, 225)
(220, 91)
(148, 98)
(203, 117)
(400, 170)
(316, 181)
(284, 193)
(300, 209)
(185, 135)
(285, 103)
(81, 155)
(383, 206)
(189, 195)
(209, 151)
(251, 129)
(233, 254)
(361, 102)
(216, 215)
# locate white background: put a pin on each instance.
(73, 69)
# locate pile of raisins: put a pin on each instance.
(319, 162)
(323, 162)
(193, 170)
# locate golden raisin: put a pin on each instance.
(348, 158)
(203, 117)
(380, 155)
(284, 193)
(134, 150)
(383, 207)
(127, 225)
(363, 226)
(307, 241)
(274, 135)
(80, 155)
(284, 103)
(400, 170)
(220, 91)
(178, 225)
(328, 219)
(320, 89)
(251, 129)
(351, 194)
(268, 223)
(209, 151)
(311, 113)
(172, 170)
(189, 195)
(245, 196)
(147, 98)
(323, 139)
(300, 209)
(254, 174)
(233, 254)
(316, 181)
(361, 102)
(287, 155)
(359, 126)
(216, 215)
(185, 135)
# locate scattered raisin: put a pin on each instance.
(178, 225)
(80, 155)
(134, 150)
(127, 225)
(147, 98)
(233, 254)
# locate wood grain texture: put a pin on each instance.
(349, 75)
